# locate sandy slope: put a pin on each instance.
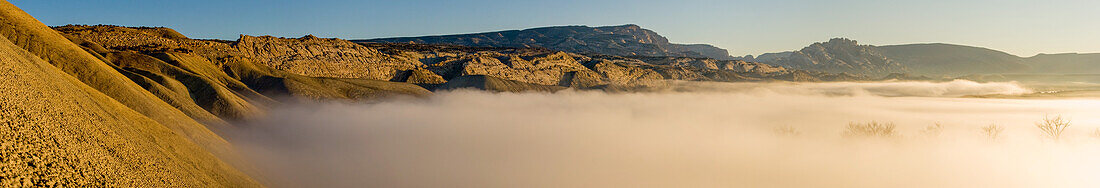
(70, 119)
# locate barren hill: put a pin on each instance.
(955, 60)
(69, 119)
(1067, 63)
(937, 59)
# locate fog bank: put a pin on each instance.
(701, 135)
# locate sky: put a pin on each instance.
(1019, 27)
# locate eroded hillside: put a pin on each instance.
(71, 120)
(428, 66)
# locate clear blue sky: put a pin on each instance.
(1021, 27)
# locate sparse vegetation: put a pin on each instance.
(934, 130)
(787, 131)
(992, 131)
(1053, 127)
(871, 129)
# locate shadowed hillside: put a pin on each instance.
(954, 60)
(66, 122)
(936, 60)
(1069, 63)
(220, 78)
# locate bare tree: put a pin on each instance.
(992, 131)
(872, 129)
(1052, 127)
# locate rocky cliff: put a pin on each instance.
(312, 56)
(624, 40)
(837, 55)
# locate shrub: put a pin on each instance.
(1052, 127)
(872, 129)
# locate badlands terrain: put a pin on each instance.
(566, 106)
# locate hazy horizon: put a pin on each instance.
(1021, 28)
(707, 135)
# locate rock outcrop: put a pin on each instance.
(706, 50)
(838, 55)
(489, 83)
(317, 57)
(713, 64)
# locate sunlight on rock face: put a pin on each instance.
(717, 135)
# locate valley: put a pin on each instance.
(103, 104)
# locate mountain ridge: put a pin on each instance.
(932, 59)
(620, 40)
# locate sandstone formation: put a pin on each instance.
(237, 79)
(312, 56)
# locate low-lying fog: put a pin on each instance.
(698, 135)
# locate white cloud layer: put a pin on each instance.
(716, 135)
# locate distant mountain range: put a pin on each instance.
(623, 40)
(841, 55)
(838, 55)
